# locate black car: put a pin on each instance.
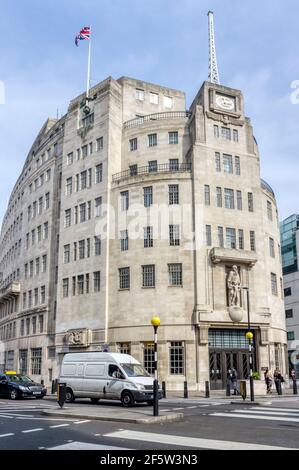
(16, 386)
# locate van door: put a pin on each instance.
(115, 382)
(94, 380)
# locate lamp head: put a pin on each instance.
(155, 320)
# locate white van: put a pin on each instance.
(112, 376)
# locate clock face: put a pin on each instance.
(226, 102)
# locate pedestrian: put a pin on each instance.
(278, 380)
(269, 381)
(234, 381)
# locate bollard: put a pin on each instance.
(207, 389)
(228, 388)
(295, 387)
(164, 389)
(185, 389)
(53, 387)
(61, 394)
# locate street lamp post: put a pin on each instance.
(249, 336)
(155, 321)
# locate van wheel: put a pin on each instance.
(94, 400)
(14, 395)
(127, 399)
(69, 396)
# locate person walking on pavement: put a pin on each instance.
(268, 380)
(234, 381)
(278, 380)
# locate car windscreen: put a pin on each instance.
(135, 370)
(19, 378)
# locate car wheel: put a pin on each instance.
(127, 399)
(94, 400)
(14, 395)
(69, 397)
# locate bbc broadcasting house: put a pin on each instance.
(74, 275)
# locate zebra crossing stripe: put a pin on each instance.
(277, 413)
(255, 416)
(190, 442)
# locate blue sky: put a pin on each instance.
(161, 41)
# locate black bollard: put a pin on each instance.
(207, 389)
(228, 388)
(61, 395)
(164, 389)
(185, 389)
(295, 387)
(53, 387)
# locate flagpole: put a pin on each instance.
(88, 66)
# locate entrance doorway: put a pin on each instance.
(228, 350)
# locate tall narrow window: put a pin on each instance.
(274, 284)
(99, 173)
(271, 247)
(97, 281)
(227, 163)
(250, 202)
(229, 198)
(235, 135)
(65, 287)
(237, 166)
(220, 237)
(252, 240)
(173, 194)
(148, 275)
(66, 254)
(153, 166)
(98, 206)
(124, 195)
(124, 278)
(241, 239)
(97, 245)
(239, 200)
(174, 235)
(100, 144)
(173, 164)
(231, 238)
(216, 131)
(124, 240)
(177, 358)
(269, 210)
(152, 140)
(81, 284)
(148, 241)
(148, 196)
(175, 274)
(82, 212)
(133, 144)
(81, 249)
(208, 235)
(207, 195)
(219, 197)
(217, 161)
(173, 138)
(226, 133)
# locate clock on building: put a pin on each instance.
(226, 102)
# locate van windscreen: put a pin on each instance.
(135, 370)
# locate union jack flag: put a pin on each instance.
(84, 34)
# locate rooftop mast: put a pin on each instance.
(213, 67)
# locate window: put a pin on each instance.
(77, 182)
(235, 135)
(226, 133)
(287, 291)
(83, 180)
(82, 208)
(124, 240)
(74, 285)
(219, 197)
(124, 196)
(99, 173)
(207, 195)
(241, 239)
(139, 94)
(34, 209)
(220, 237)
(148, 237)
(153, 166)
(36, 361)
(271, 248)
(148, 275)
(239, 200)
(98, 207)
(289, 313)
(124, 348)
(152, 140)
(274, 284)
(177, 358)
(48, 174)
(84, 151)
(89, 179)
(173, 164)
(290, 335)
(133, 170)
(23, 361)
(208, 235)
(41, 323)
(31, 269)
(65, 287)
(149, 358)
(40, 205)
(67, 218)
(88, 120)
(217, 161)
(33, 237)
(22, 328)
(133, 144)
(89, 210)
(175, 274)
(237, 166)
(124, 278)
(44, 263)
(66, 254)
(27, 326)
(27, 241)
(148, 196)
(168, 102)
(100, 144)
(81, 249)
(69, 186)
(173, 194)
(173, 138)
(269, 210)
(43, 295)
(250, 202)
(216, 131)
(47, 201)
(227, 163)
(229, 198)
(154, 98)
(252, 240)
(97, 245)
(81, 284)
(70, 158)
(46, 230)
(88, 248)
(231, 238)
(174, 235)
(37, 264)
(36, 296)
(97, 281)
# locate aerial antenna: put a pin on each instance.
(213, 67)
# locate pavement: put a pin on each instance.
(206, 424)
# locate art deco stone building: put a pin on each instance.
(129, 206)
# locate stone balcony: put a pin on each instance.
(11, 290)
(156, 117)
(229, 255)
(136, 170)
